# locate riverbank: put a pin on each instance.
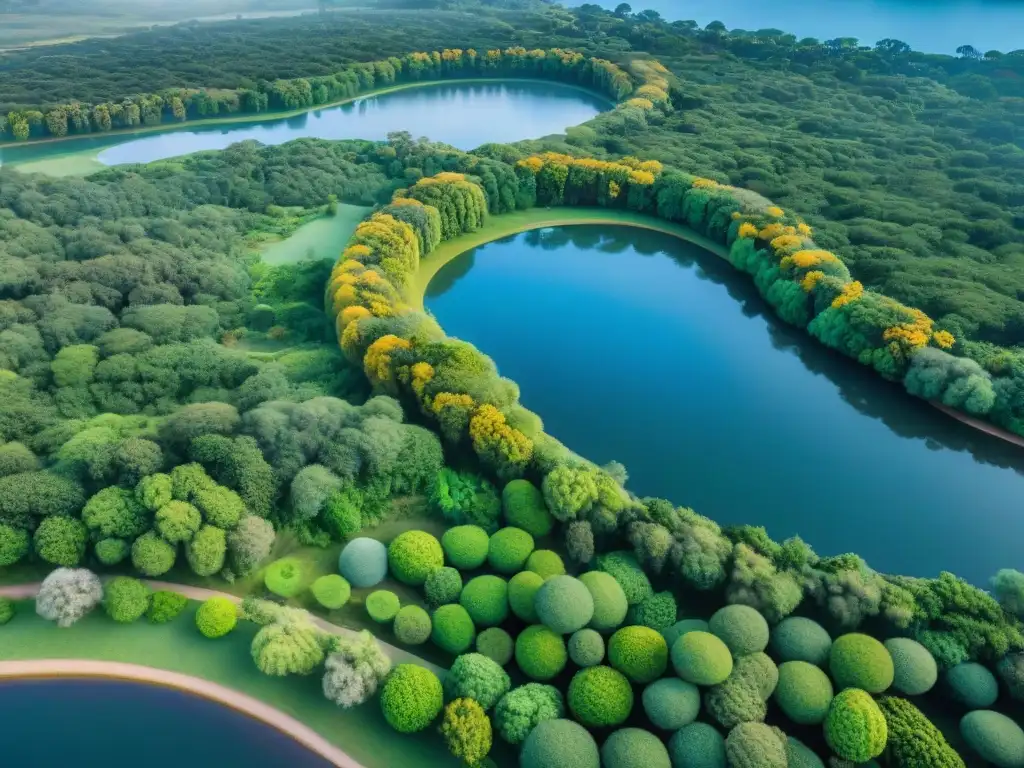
(981, 426)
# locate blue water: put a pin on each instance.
(636, 347)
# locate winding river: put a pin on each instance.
(667, 360)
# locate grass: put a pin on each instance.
(322, 238)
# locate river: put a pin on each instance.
(669, 362)
(935, 26)
(464, 115)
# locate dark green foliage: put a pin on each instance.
(995, 737)
(556, 743)
(586, 648)
(453, 629)
(972, 685)
(443, 586)
(496, 644)
(16, 458)
(520, 710)
(1011, 672)
(699, 745)
(477, 677)
(464, 498)
(624, 568)
(800, 756)
(657, 611)
(165, 606)
(800, 639)
(6, 610)
(600, 696)
(913, 739)
(634, 748)
(563, 604)
(524, 508)
(915, 670)
(671, 703)
(31, 496)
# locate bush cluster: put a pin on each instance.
(476, 677)
(520, 710)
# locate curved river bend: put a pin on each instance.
(638, 347)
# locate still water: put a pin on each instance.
(463, 115)
(637, 347)
(122, 725)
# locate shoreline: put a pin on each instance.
(42, 669)
(982, 426)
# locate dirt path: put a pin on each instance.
(255, 708)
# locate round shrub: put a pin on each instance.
(331, 591)
(734, 702)
(804, 692)
(860, 661)
(701, 658)
(414, 554)
(6, 610)
(586, 648)
(364, 562)
(545, 563)
(443, 586)
(521, 709)
(563, 604)
(995, 737)
(476, 677)
(152, 556)
(914, 668)
(756, 745)
(485, 598)
(610, 604)
(743, 629)
(453, 629)
(634, 748)
(681, 627)
(799, 755)
(540, 653)
(913, 738)
(758, 671)
(61, 541)
(798, 639)
(522, 592)
(284, 577)
(657, 611)
(972, 685)
(509, 549)
(383, 605)
(671, 703)
(412, 697)
(14, 544)
(111, 551)
(855, 727)
(624, 568)
(165, 606)
(497, 644)
(697, 745)
(466, 546)
(639, 653)
(600, 697)
(216, 617)
(125, 599)
(524, 507)
(412, 625)
(559, 744)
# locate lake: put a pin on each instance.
(464, 115)
(59, 723)
(670, 362)
(935, 26)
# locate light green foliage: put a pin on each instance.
(545, 563)
(154, 491)
(331, 591)
(114, 513)
(382, 605)
(640, 653)
(152, 555)
(634, 748)
(216, 617)
(624, 568)
(60, 541)
(524, 508)
(111, 551)
(412, 625)
(178, 521)
(485, 598)
(701, 658)
(758, 671)
(443, 586)
(520, 710)
(697, 745)
(569, 491)
(466, 546)
(249, 544)
(913, 739)
(586, 648)
(557, 743)
(657, 611)
(453, 629)
(343, 514)
(188, 480)
(972, 685)
(800, 639)
(14, 544)
(16, 458)
(671, 703)
(206, 551)
(509, 549)
(522, 593)
(125, 599)
(467, 731)
(220, 506)
(6, 610)
(995, 737)
(540, 653)
(804, 692)
(681, 627)
(412, 698)
(465, 499)
(860, 661)
(855, 727)
(600, 697)
(800, 756)
(496, 644)
(364, 562)
(610, 604)
(914, 668)
(755, 745)
(741, 628)
(414, 554)
(285, 577)
(564, 604)
(734, 702)
(477, 677)
(165, 606)
(291, 646)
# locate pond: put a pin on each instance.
(464, 115)
(637, 347)
(59, 723)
